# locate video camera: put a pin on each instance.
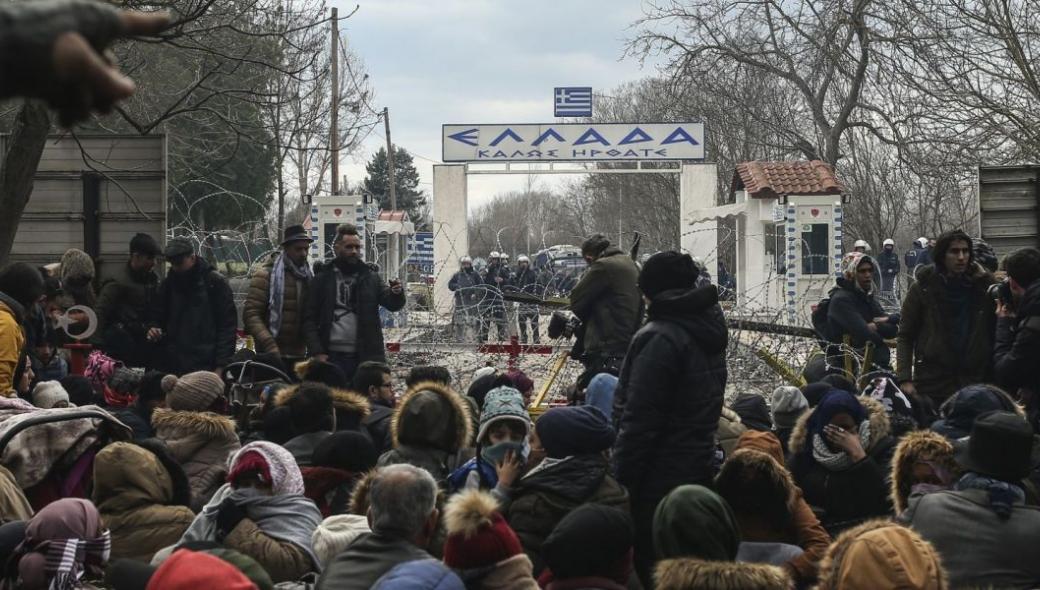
(563, 323)
(1001, 292)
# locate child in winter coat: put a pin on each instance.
(502, 446)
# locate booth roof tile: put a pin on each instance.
(770, 180)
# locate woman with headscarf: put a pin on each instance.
(841, 453)
(64, 542)
(262, 512)
(696, 539)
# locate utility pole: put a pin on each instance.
(391, 179)
(334, 121)
(391, 173)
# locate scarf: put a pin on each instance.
(288, 518)
(838, 460)
(1002, 495)
(276, 298)
(64, 559)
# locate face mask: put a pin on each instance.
(496, 453)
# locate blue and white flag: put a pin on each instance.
(573, 102)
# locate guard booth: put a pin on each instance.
(329, 212)
(789, 231)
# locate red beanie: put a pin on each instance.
(478, 536)
(191, 570)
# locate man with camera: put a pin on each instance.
(608, 303)
(1017, 348)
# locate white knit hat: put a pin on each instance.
(335, 533)
(47, 394)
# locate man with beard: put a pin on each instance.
(341, 319)
(196, 316)
(124, 304)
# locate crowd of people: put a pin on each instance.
(330, 478)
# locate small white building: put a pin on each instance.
(788, 241)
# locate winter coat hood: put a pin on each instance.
(880, 427)
(928, 275)
(881, 554)
(127, 476)
(574, 479)
(682, 574)
(205, 426)
(915, 447)
(344, 400)
(698, 312)
(431, 415)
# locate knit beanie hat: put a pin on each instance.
(753, 411)
(477, 535)
(79, 389)
(195, 392)
(788, 404)
(593, 540)
(76, 264)
(667, 270)
(189, 570)
(322, 372)
(503, 403)
(47, 394)
(335, 533)
(574, 430)
(521, 381)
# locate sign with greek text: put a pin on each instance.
(619, 142)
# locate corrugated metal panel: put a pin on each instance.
(132, 197)
(1009, 204)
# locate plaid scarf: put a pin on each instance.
(276, 296)
(66, 558)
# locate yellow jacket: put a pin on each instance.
(12, 341)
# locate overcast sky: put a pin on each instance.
(481, 61)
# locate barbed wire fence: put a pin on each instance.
(422, 335)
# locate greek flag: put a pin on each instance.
(573, 102)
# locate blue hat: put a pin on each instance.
(960, 411)
(574, 430)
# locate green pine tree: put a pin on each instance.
(409, 197)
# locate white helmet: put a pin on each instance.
(494, 255)
(505, 256)
(861, 244)
(523, 258)
(889, 242)
(465, 259)
(922, 241)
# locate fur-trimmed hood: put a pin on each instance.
(880, 427)
(917, 446)
(881, 554)
(431, 415)
(207, 424)
(682, 574)
(343, 400)
(359, 496)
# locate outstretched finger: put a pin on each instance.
(145, 24)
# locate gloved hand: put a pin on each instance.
(229, 515)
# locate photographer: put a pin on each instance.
(608, 303)
(1018, 327)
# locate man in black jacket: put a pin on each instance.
(670, 394)
(1017, 348)
(195, 319)
(124, 303)
(468, 286)
(341, 319)
(888, 265)
(493, 307)
(854, 312)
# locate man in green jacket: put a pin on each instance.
(948, 320)
(608, 303)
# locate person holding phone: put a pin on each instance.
(341, 319)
